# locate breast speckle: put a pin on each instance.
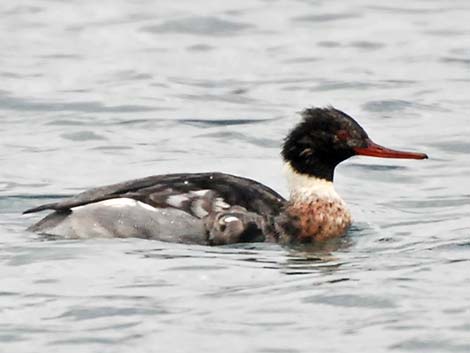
(317, 220)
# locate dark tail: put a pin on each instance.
(47, 206)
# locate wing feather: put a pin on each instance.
(195, 193)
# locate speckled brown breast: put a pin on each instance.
(314, 221)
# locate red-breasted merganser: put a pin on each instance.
(218, 208)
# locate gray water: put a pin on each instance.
(97, 92)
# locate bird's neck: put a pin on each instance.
(306, 189)
(314, 211)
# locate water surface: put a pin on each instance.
(99, 92)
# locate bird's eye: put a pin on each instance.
(342, 135)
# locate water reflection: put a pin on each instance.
(293, 260)
(98, 92)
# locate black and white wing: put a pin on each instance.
(231, 208)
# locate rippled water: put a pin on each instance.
(96, 92)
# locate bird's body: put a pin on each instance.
(218, 208)
(190, 208)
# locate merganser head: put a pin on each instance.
(325, 137)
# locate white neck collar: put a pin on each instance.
(306, 188)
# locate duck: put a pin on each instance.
(214, 208)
